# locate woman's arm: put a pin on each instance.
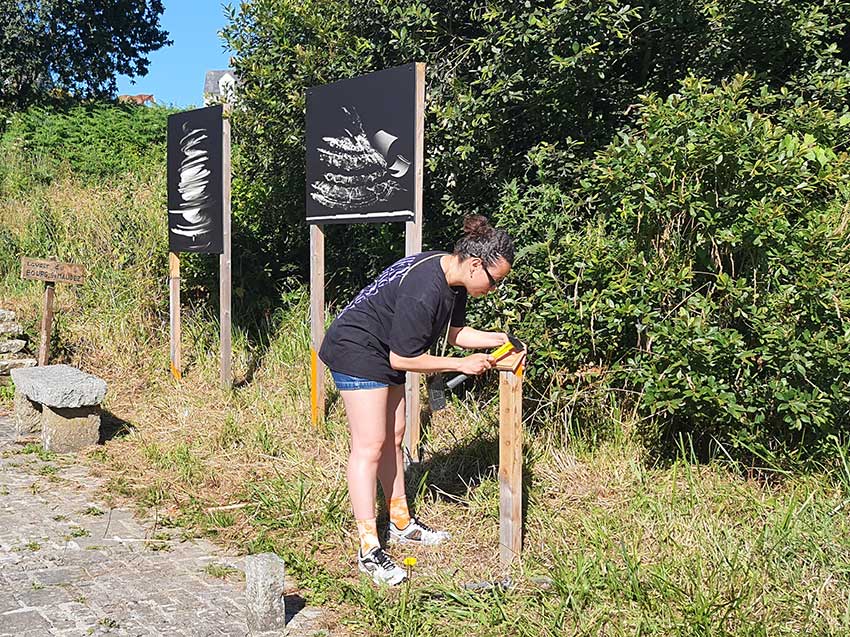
(471, 365)
(470, 338)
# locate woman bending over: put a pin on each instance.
(387, 331)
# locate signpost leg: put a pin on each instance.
(225, 260)
(174, 314)
(412, 245)
(317, 322)
(46, 323)
(510, 465)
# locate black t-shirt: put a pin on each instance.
(406, 310)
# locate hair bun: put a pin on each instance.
(475, 226)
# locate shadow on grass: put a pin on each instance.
(112, 426)
(294, 604)
(453, 474)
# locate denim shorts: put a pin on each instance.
(344, 382)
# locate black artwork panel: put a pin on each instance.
(195, 187)
(360, 148)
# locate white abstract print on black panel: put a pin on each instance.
(195, 181)
(360, 147)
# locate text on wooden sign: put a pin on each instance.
(54, 271)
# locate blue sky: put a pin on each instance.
(176, 72)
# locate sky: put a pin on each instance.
(176, 73)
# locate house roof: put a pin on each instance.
(211, 82)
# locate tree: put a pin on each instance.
(504, 79)
(74, 47)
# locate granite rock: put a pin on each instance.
(10, 328)
(27, 415)
(264, 589)
(59, 386)
(9, 364)
(12, 346)
(69, 429)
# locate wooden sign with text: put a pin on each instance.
(52, 271)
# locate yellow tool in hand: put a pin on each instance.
(513, 345)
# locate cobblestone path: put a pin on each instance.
(69, 565)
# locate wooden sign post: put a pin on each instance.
(50, 271)
(199, 214)
(361, 133)
(224, 263)
(317, 322)
(412, 245)
(510, 458)
(174, 314)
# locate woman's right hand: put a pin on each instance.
(476, 364)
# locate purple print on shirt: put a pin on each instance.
(395, 271)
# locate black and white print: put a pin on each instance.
(195, 181)
(360, 148)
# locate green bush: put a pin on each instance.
(675, 175)
(94, 142)
(699, 269)
(503, 78)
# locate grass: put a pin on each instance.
(614, 544)
(221, 571)
(40, 452)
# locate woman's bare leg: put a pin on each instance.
(366, 410)
(391, 463)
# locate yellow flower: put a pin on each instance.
(409, 561)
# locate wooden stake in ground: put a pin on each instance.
(46, 324)
(317, 322)
(225, 279)
(174, 314)
(412, 245)
(510, 460)
(51, 272)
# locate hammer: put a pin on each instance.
(513, 345)
(437, 386)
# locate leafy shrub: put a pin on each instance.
(698, 268)
(675, 175)
(503, 79)
(93, 141)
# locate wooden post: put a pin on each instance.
(317, 322)
(46, 323)
(225, 281)
(50, 271)
(510, 464)
(174, 314)
(412, 245)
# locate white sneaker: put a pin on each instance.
(417, 532)
(380, 567)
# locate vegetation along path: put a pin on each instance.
(72, 566)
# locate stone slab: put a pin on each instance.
(27, 415)
(69, 429)
(10, 327)
(264, 593)
(9, 364)
(7, 315)
(12, 346)
(60, 386)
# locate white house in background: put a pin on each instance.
(219, 87)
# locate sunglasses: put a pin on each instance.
(493, 282)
